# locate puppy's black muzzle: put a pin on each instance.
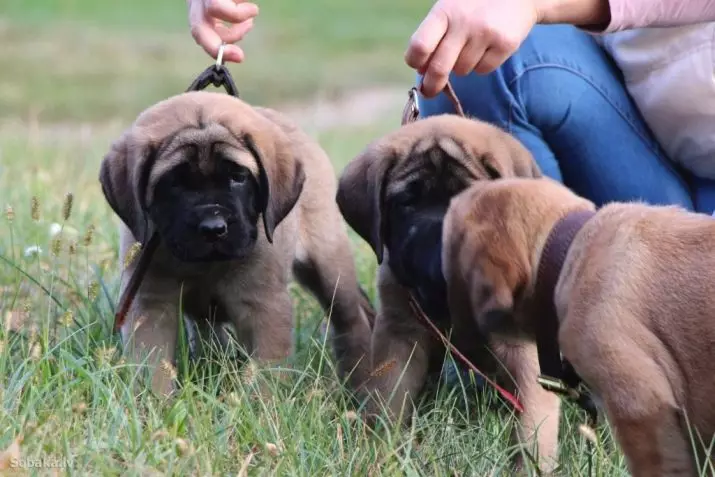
(213, 228)
(416, 260)
(212, 221)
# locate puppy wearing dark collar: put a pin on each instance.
(630, 300)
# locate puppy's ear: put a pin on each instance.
(492, 302)
(485, 277)
(280, 184)
(514, 161)
(123, 175)
(494, 168)
(522, 160)
(361, 194)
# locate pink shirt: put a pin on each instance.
(666, 52)
(628, 14)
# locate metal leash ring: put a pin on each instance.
(219, 55)
(411, 110)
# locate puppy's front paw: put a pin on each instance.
(164, 380)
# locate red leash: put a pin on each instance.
(425, 319)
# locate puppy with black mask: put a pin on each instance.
(209, 217)
(243, 202)
(413, 236)
(395, 195)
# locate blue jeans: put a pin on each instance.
(563, 97)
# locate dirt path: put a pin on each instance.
(357, 109)
(360, 108)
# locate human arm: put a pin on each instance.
(479, 35)
(630, 14)
(606, 16)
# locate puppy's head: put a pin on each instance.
(493, 235)
(202, 169)
(396, 192)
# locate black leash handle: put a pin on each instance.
(216, 75)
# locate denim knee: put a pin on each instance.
(562, 96)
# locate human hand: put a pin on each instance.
(206, 19)
(468, 35)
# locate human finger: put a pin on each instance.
(492, 59)
(231, 12)
(469, 56)
(426, 38)
(442, 62)
(233, 33)
(206, 36)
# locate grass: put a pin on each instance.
(73, 74)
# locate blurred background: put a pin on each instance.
(96, 62)
(75, 73)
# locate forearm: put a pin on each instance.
(594, 14)
(616, 15)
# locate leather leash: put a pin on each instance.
(410, 114)
(135, 280)
(556, 373)
(411, 111)
(216, 75)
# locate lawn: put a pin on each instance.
(73, 74)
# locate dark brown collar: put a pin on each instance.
(552, 366)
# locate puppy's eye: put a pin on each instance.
(407, 197)
(239, 178)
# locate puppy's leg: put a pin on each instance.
(538, 425)
(150, 332)
(401, 361)
(263, 320)
(208, 332)
(402, 351)
(654, 444)
(638, 397)
(324, 265)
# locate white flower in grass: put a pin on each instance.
(32, 251)
(55, 229)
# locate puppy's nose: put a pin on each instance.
(213, 228)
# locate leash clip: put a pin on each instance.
(411, 111)
(581, 398)
(557, 386)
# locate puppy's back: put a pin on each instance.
(320, 177)
(648, 273)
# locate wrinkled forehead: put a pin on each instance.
(203, 147)
(433, 160)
